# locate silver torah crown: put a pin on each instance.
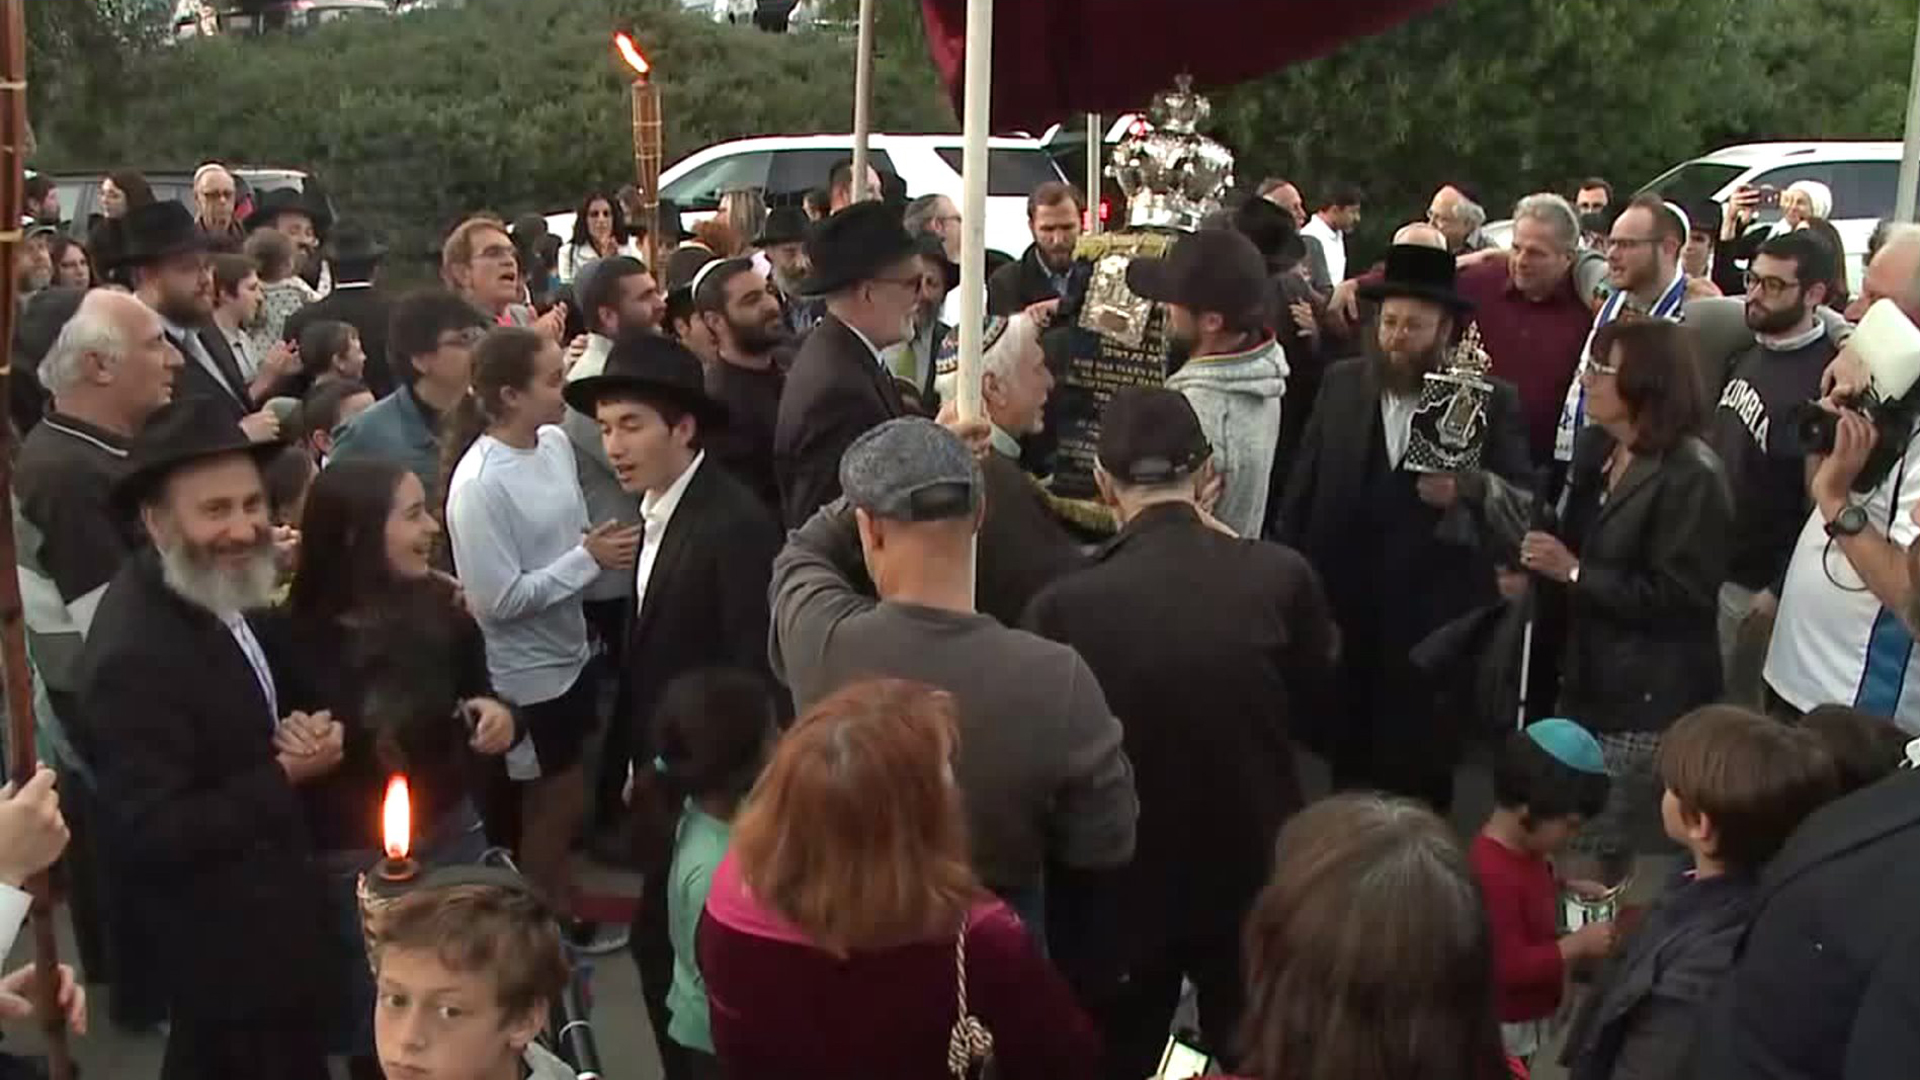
(1172, 174)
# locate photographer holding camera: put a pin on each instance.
(1841, 635)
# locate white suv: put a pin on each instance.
(1863, 176)
(786, 167)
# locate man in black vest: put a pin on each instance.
(1373, 528)
(166, 256)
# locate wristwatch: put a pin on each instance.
(1851, 521)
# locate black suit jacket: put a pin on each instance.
(1241, 648)
(194, 380)
(199, 814)
(367, 310)
(706, 599)
(1827, 984)
(836, 392)
(1652, 558)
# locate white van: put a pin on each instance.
(1863, 176)
(786, 167)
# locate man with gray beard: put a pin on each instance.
(179, 716)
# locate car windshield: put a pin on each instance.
(1693, 183)
(1010, 172)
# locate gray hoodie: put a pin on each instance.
(1237, 397)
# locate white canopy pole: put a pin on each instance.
(973, 203)
(1910, 149)
(862, 100)
(1096, 148)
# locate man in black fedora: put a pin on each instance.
(784, 242)
(701, 584)
(179, 716)
(354, 255)
(165, 257)
(305, 220)
(1372, 528)
(864, 265)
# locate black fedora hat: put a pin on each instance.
(1421, 272)
(653, 367)
(784, 225)
(854, 245)
(272, 204)
(156, 231)
(351, 242)
(183, 431)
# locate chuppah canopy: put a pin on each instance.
(1056, 57)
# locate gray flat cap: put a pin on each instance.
(911, 469)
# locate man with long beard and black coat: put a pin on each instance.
(1373, 529)
(179, 716)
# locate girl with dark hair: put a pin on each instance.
(599, 232)
(1368, 957)
(72, 266)
(123, 191)
(330, 351)
(1646, 519)
(372, 635)
(1839, 293)
(525, 553)
(712, 730)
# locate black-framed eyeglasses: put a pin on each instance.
(1768, 285)
(911, 282)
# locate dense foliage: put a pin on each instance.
(519, 104)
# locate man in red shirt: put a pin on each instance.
(1533, 320)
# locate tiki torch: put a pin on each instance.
(16, 142)
(393, 875)
(646, 145)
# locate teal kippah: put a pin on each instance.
(1570, 744)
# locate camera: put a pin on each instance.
(1815, 430)
(1887, 344)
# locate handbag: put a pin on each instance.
(970, 1045)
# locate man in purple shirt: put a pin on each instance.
(1532, 319)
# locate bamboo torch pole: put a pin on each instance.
(647, 147)
(14, 142)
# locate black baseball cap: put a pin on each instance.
(1150, 435)
(1217, 270)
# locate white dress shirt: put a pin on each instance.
(1333, 243)
(656, 513)
(871, 347)
(1396, 420)
(257, 657)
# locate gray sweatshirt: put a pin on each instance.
(1237, 397)
(1041, 760)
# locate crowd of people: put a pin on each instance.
(697, 565)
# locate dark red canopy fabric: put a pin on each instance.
(1052, 58)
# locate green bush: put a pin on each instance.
(505, 105)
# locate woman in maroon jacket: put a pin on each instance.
(831, 935)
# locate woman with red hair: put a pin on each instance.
(846, 934)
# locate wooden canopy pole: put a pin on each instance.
(15, 142)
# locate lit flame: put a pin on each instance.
(630, 52)
(397, 819)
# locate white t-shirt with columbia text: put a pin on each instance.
(1834, 642)
(516, 518)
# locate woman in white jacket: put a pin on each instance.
(599, 232)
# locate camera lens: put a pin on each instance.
(1814, 428)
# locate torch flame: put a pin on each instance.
(630, 52)
(397, 819)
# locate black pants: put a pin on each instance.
(702, 1065)
(1136, 1020)
(250, 1049)
(1390, 737)
(650, 939)
(608, 621)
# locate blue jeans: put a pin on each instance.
(454, 840)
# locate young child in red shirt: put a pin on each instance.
(1549, 780)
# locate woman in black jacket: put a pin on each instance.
(1647, 513)
(372, 634)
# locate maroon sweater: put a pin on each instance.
(1523, 909)
(781, 1007)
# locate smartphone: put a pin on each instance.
(1182, 1061)
(1769, 195)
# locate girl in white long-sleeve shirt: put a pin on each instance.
(525, 551)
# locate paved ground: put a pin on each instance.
(620, 1023)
